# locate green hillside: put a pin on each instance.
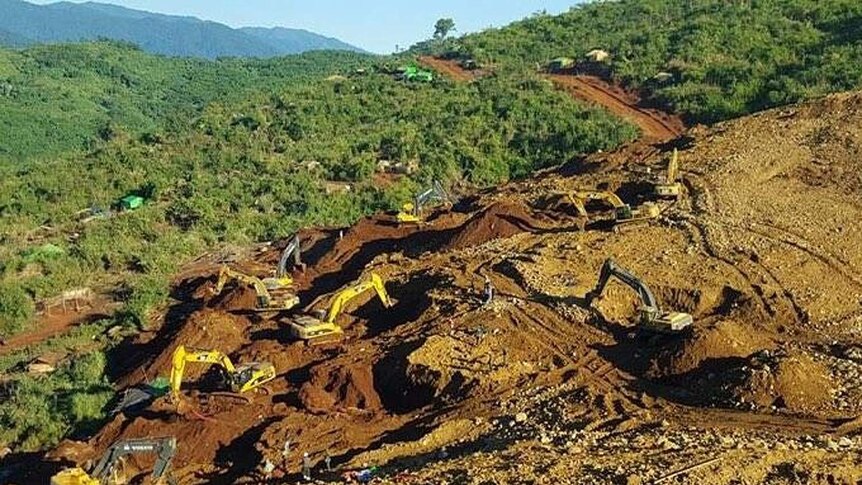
(726, 58)
(68, 97)
(239, 151)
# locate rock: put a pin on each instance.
(521, 417)
(633, 480)
(845, 442)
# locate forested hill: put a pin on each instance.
(57, 98)
(726, 58)
(25, 23)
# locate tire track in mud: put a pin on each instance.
(592, 369)
(702, 196)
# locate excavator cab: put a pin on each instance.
(316, 329)
(651, 316)
(105, 471)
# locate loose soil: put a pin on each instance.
(538, 386)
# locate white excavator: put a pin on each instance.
(651, 316)
(412, 212)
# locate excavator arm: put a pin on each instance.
(611, 268)
(291, 251)
(673, 168)
(164, 448)
(412, 211)
(182, 356)
(651, 315)
(342, 298)
(265, 301)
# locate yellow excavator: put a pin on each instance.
(240, 379)
(651, 316)
(106, 471)
(278, 298)
(671, 188)
(320, 327)
(412, 212)
(622, 212)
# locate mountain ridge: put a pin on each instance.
(24, 23)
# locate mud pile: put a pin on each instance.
(342, 388)
(500, 220)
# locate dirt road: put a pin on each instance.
(656, 125)
(448, 68)
(56, 322)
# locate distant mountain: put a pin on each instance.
(13, 40)
(23, 23)
(296, 40)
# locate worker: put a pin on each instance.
(328, 462)
(488, 291)
(286, 450)
(306, 466)
(268, 468)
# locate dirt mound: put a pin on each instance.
(342, 388)
(204, 329)
(500, 220)
(792, 381)
(708, 348)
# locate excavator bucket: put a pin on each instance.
(73, 476)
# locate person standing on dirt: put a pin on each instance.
(306, 466)
(488, 292)
(328, 462)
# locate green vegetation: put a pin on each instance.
(188, 144)
(239, 151)
(40, 410)
(727, 58)
(73, 97)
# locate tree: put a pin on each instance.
(443, 27)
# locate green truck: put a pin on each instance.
(131, 202)
(414, 73)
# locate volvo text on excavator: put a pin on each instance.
(651, 316)
(316, 329)
(107, 470)
(671, 187)
(268, 300)
(240, 378)
(411, 212)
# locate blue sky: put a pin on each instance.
(377, 25)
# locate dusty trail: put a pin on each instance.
(449, 68)
(56, 321)
(656, 125)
